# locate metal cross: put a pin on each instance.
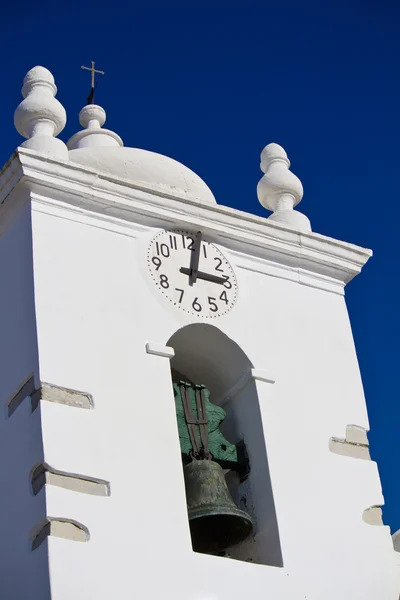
(93, 71)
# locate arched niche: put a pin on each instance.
(205, 355)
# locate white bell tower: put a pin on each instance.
(117, 264)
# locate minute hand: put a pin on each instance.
(194, 263)
(203, 275)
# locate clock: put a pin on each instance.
(192, 273)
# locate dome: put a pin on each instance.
(146, 170)
(103, 150)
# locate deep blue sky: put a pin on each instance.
(210, 83)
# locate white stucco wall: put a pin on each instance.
(22, 574)
(96, 309)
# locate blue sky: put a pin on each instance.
(210, 84)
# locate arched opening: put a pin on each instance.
(206, 356)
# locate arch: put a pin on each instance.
(205, 355)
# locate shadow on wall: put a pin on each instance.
(205, 355)
(23, 573)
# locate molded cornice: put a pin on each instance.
(99, 193)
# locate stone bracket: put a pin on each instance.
(355, 444)
(373, 516)
(62, 528)
(48, 392)
(43, 474)
(61, 395)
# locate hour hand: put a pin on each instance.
(203, 275)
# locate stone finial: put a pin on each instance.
(40, 117)
(92, 118)
(279, 190)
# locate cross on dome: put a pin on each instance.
(90, 99)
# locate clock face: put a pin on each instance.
(192, 273)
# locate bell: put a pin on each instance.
(215, 521)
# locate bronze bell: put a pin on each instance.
(215, 521)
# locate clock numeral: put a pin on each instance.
(156, 261)
(163, 250)
(224, 297)
(218, 267)
(191, 243)
(197, 307)
(164, 281)
(227, 283)
(211, 301)
(181, 294)
(176, 242)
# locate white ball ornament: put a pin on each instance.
(279, 190)
(40, 117)
(92, 118)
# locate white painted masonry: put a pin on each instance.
(79, 309)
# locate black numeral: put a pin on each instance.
(172, 242)
(218, 267)
(204, 251)
(211, 301)
(184, 239)
(156, 261)
(227, 283)
(224, 297)
(164, 281)
(162, 249)
(181, 294)
(197, 307)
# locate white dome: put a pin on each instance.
(147, 170)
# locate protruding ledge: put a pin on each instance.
(44, 474)
(355, 444)
(160, 350)
(61, 395)
(25, 389)
(373, 515)
(260, 375)
(62, 528)
(48, 392)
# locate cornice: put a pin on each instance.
(10, 175)
(89, 190)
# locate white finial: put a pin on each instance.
(92, 118)
(279, 190)
(40, 116)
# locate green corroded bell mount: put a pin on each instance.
(220, 448)
(216, 523)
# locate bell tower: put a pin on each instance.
(149, 333)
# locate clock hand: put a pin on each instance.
(203, 275)
(194, 263)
